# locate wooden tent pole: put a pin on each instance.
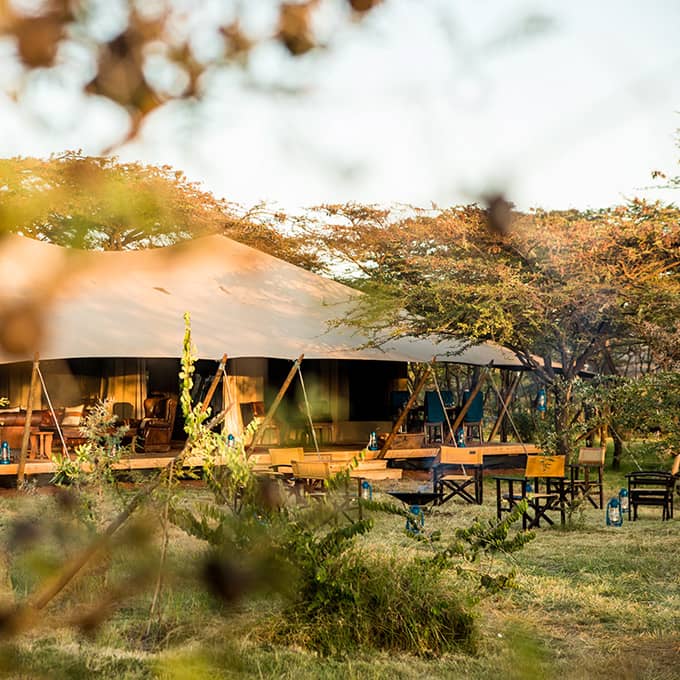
(27, 425)
(466, 406)
(213, 385)
(275, 405)
(407, 407)
(504, 405)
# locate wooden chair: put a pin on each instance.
(653, 488)
(281, 459)
(458, 472)
(541, 471)
(591, 463)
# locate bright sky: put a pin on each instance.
(557, 104)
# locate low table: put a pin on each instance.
(41, 444)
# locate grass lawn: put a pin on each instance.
(592, 601)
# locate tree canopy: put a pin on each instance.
(103, 204)
(564, 290)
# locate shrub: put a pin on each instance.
(354, 601)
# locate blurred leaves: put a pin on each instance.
(126, 57)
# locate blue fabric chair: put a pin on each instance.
(474, 417)
(434, 414)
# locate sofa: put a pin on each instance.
(13, 422)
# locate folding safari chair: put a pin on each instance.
(311, 477)
(541, 470)
(590, 463)
(281, 459)
(458, 472)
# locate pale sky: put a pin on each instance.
(557, 104)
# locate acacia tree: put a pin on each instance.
(557, 288)
(99, 203)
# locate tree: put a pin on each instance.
(100, 203)
(557, 288)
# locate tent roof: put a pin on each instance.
(242, 302)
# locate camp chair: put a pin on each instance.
(311, 476)
(434, 417)
(654, 488)
(540, 470)
(458, 472)
(473, 420)
(591, 463)
(281, 459)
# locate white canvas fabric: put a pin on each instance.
(242, 302)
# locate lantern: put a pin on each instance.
(541, 400)
(415, 522)
(372, 442)
(624, 501)
(5, 454)
(460, 437)
(614, 515)
(366, 490)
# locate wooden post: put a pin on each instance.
(466, 406)
(407, 407)
(507, 397)
(275, 405)
(213, 385)
(27, 425)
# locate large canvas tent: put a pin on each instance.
(242, 301)
(121, 311)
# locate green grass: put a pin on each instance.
(591, 601)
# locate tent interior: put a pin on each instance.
(352, 395)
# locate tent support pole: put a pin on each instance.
(275, 405)
(407, 407)
(504, 405)
(27, 425)
(213, 385)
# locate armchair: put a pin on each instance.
(155, 430)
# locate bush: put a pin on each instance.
(355, 601)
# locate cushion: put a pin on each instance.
(73, 415)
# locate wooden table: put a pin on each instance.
(41, 445)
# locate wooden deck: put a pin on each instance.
(492, 454)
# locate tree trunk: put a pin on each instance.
(618, 451)
(562, 391)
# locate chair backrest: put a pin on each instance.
(156, 406)
(434, 413)
(591, 455)
(311, 469)
(453, 455)
(286, 456)
(398, 399)
(545, 466)
(475, 414)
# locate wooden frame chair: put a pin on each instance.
(540, 470)
(458, 472)
(653, 488)
(590, 462)
(281, 459)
